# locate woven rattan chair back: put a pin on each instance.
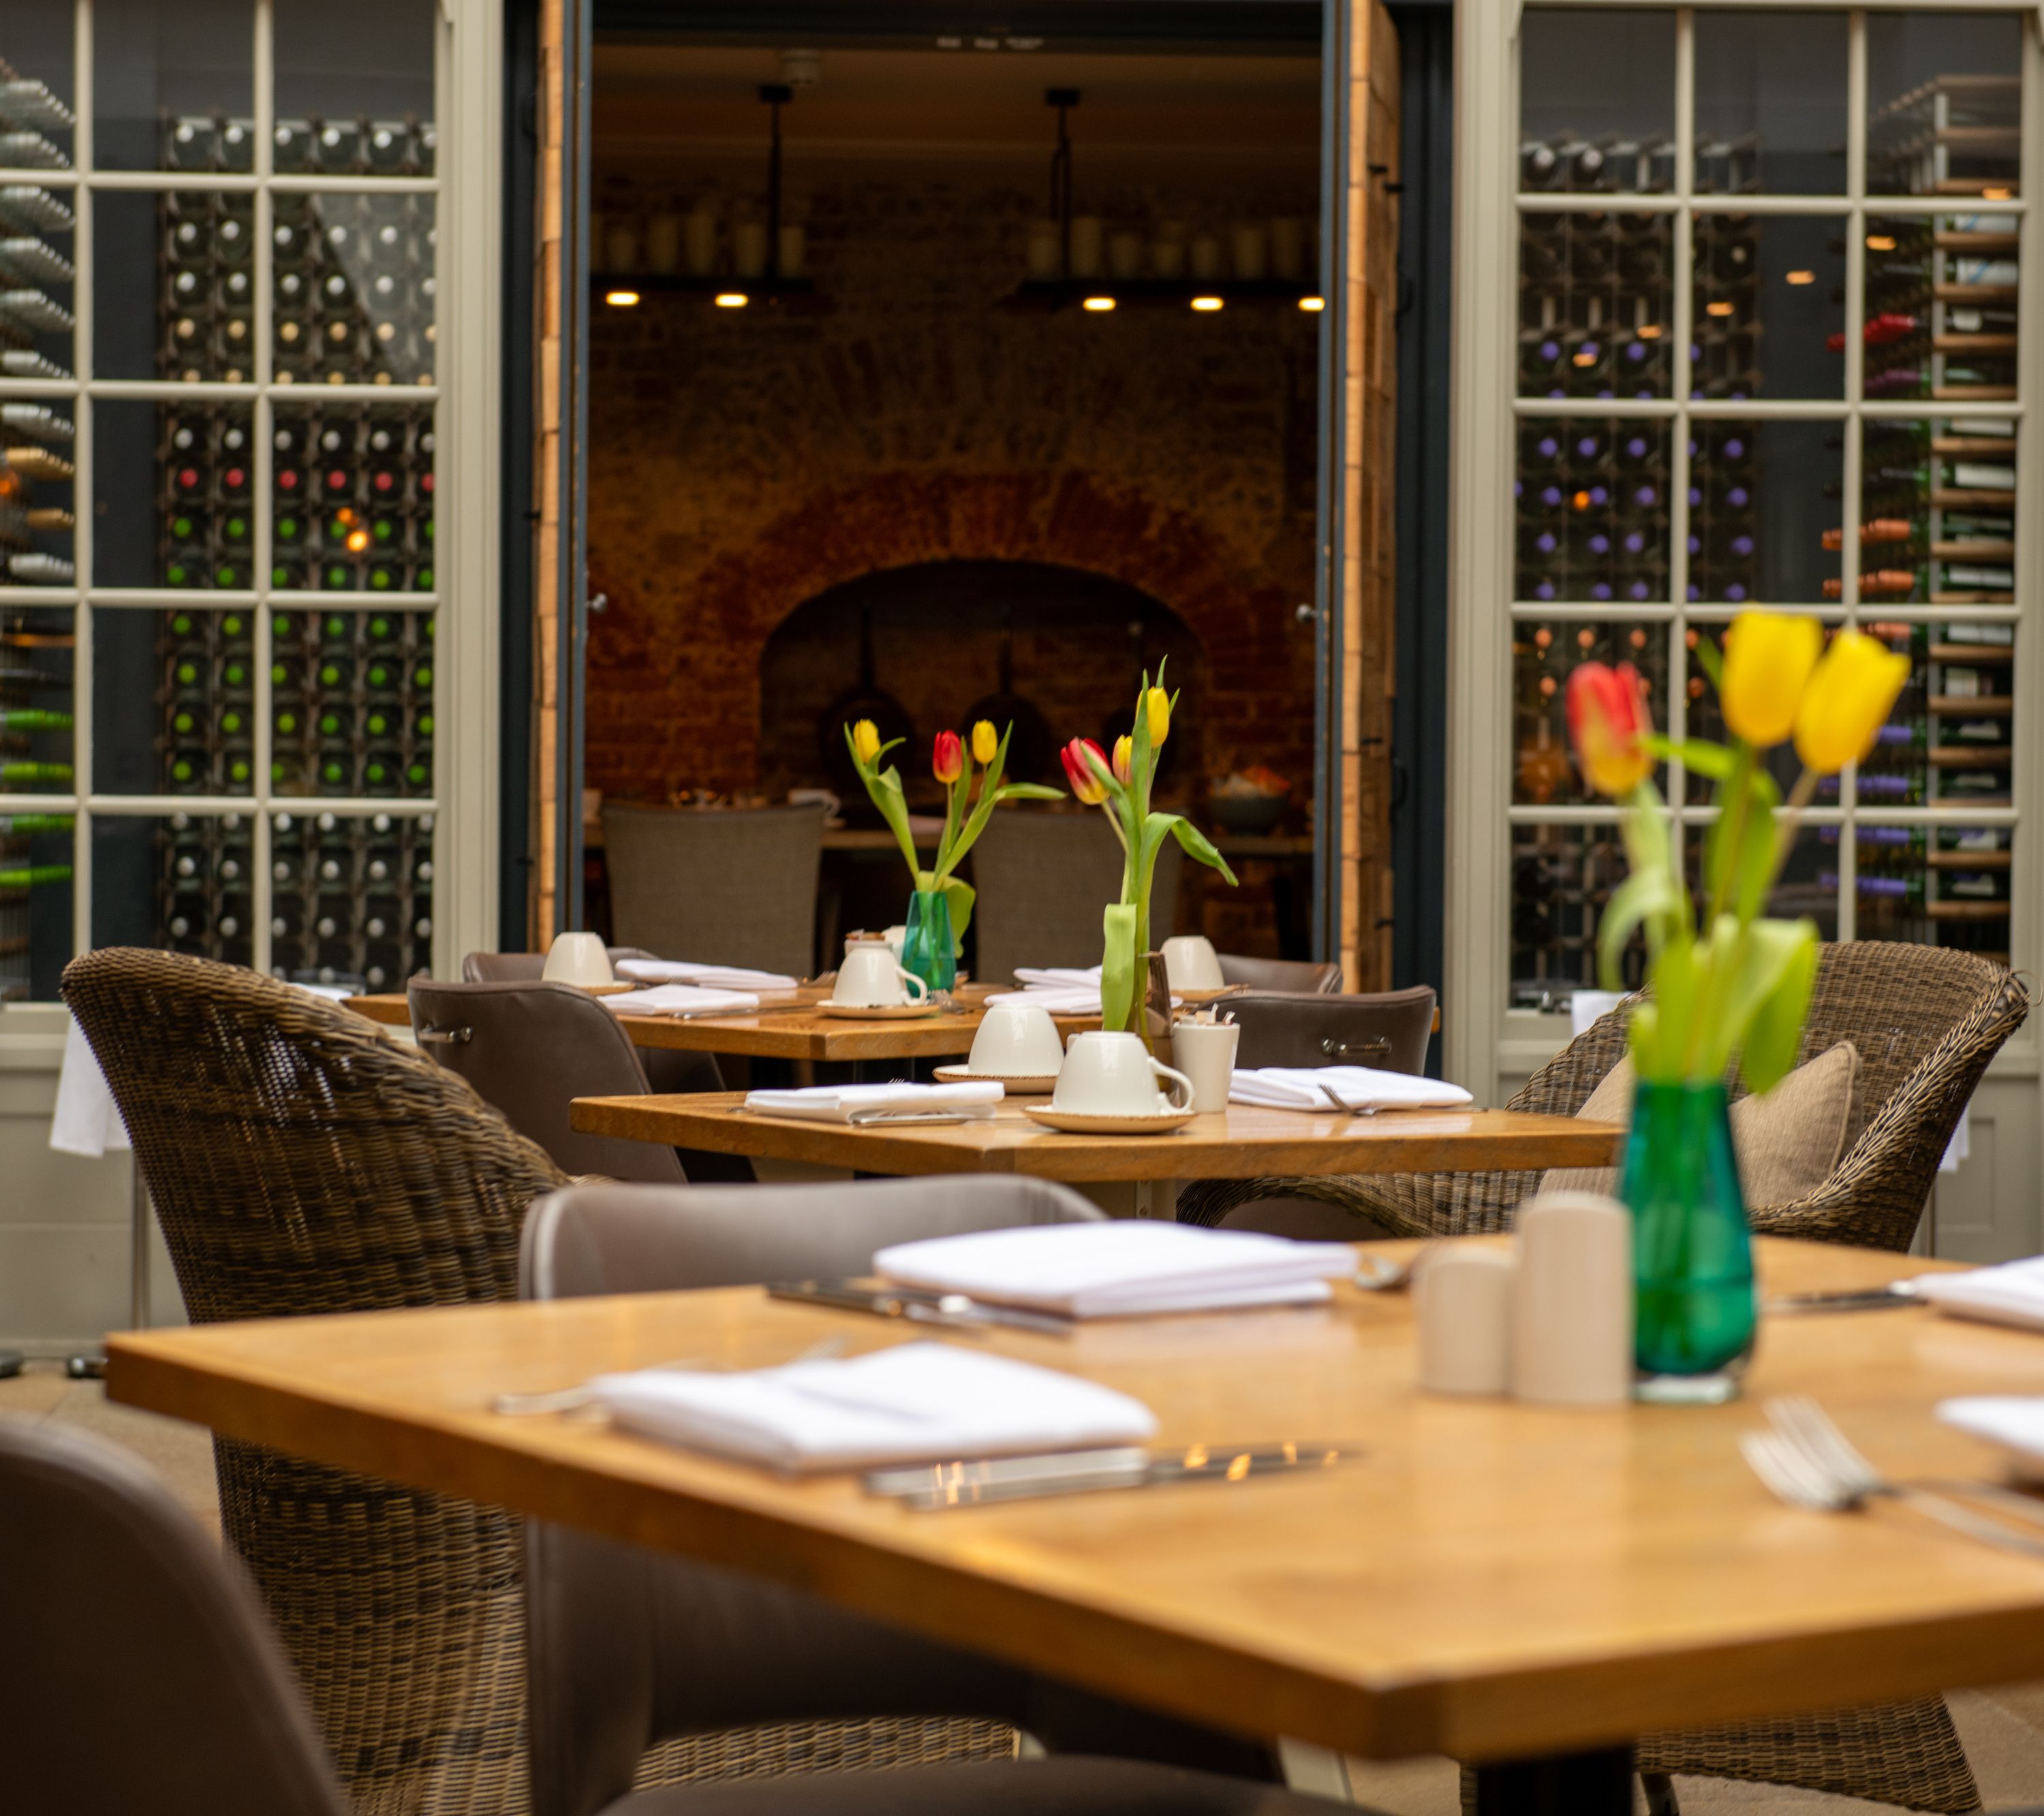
(1043, 879)
(731, 886)
(301, 1162)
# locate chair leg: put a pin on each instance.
(1660, 1794)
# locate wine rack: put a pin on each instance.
(1661, 485)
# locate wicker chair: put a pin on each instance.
(1926, 1022)
(301, 1162)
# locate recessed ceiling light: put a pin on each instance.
(732, 299)
(1206, 305)
(1313, 306)
(621, 299)
(1099, 306)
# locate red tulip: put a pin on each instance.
(948, 757)
(1078, 758)
(1607, 720)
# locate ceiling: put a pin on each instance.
(665, 98)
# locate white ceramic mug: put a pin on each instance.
(1113, 1075)
(1016, 1040)
(1191, 963)
(577, 958)
(1204, 1051)
(869, 978)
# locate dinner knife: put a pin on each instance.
(1857, 1299)
(953, 1311)
(931, 1485)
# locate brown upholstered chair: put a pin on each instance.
(301, 1162)
(1389, 1031)
(675, 1669)
(722, 886)
(1299, 976)
(1043, 879)
(192, 1710)
(530, 1050)
(524, 967)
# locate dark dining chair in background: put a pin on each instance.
(717, 885)
(1388, 1031)
(1043, 880)
(1299, 977)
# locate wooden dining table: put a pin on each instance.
(1528, 1588)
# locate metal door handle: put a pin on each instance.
(1377, 1049)
(445, 1037)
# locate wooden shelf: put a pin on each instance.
(1967, 860)
(1977, 706)
(1975, 653)
(1971, 756)
(1966, 910)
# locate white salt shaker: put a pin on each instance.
(1463, 1298)
(1572, 1301)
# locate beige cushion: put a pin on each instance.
(1787, 1141)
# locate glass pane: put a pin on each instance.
(173, 285)
(172, 88)
(1944, 103)
(35, 902)
(1771, 102)
(352, 696)
(197, 667)
(36, 90)
(1596, 106)
(183, 881)
(1562, 879)
(36, 520)
(1809, 881)
(1937, 511)
(353, 289)
(1769, 306)
(1594, 301)
(38, 302)
(37, 645)
(1940, 306)
(1592, 510)
(196, 462)
(353, 490)
(351, 898)
(1763, 512)
(1542, 653)
(354, 87)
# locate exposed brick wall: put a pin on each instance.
(743, 461)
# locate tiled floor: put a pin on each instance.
(2003, 1730)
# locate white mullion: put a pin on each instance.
(260, 889)
(2029, 570)
(1682, 276)
(357, 807)
(81, 484)
(1852, 467)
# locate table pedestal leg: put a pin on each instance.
(1561, 1784)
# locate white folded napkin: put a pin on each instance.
(1119, 1270)
(1054, 976)
(877, 1103)
(1361, 1087)
(916, 1403)
(710, 977)
(1068, 1000)
(2016, 1420)
(2010, 1294)
(681, 1000)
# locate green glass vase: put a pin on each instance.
(929, 950)
(1692, 1251)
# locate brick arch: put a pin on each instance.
(666, 707)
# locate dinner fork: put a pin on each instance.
(1808, 1462)
(1343, 1105)
(572, 1400)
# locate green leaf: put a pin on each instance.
(959, 897)
(1117, 967)
(1743, 849)
(1706, 759)
(1195, 844)
(1711, 660)
(1644, 897)
(1678, 980)
(1026, 791)
(1775, 1035)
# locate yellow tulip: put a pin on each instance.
(1158, 704)
(986, 741)
(1767, 663)
(1848, 700)
(866, 740)
(1124, 764)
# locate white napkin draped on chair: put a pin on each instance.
(915, 1402)
(869, 1103)
(1119, 1270)
(681, 1000)
(708, 976)
(1358, 1087)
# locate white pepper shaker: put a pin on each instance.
(1572, 1301)
(1463, 1303)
